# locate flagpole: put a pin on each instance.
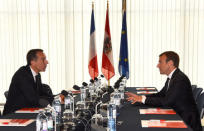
(108, 5)
(108, 16)
(124, 4)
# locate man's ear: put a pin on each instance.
(32, 62)
(171, 63)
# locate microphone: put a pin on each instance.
(104, 89)
(121, 77)
(95, 79)
(110, 90)
(105, 98)
(65, 93)
(92, 81)
(84, 84)
(117, 84)
(76, 87)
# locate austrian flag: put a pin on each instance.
(107, 56)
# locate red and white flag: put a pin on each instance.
(107, 56)
(93, 64)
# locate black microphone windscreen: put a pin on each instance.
(95, 78)
(92, 81)
(110, 90)
(121, 77)
(63, 92)
(102, 76)
(117, 84)
(84, 84)
(103, 89)
(105, 98)
(76, 87)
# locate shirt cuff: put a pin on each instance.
(143, 99)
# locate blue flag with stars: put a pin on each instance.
(123, 66)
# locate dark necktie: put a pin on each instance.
(167, 84)
(38, 82)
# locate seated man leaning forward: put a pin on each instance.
(176, 93)
(26, 89)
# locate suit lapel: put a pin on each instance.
(30, 75)
(173, 76)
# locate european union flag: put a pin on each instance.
(123, 66)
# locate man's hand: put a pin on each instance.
(133, 97)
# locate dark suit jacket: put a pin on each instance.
(23, 92)
(179, 96)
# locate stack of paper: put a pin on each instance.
(146, 92)
(76, 92)
(15, 122)
(163, 123)
(146, 88)
(29, 110)
(157, 111)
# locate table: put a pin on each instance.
(129, 116)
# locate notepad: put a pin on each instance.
(146, 92)
(15, 122)
(163, 124)
(146, 88)
(76, 92)
(29, 110)
(157, 111)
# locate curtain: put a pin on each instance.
(62, 29)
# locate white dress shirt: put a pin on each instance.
(169, 76)
(33, 73)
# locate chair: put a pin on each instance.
(200, 104)
(47, 90)
(6, 94)
(196, 92)
(193, 87)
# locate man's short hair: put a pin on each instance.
(32, 55)
(170, 55)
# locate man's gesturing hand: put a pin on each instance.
(133, 97)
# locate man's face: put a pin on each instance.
(41, 62)
(163, 66)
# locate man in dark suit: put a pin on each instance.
(26, 87)
(176, 93)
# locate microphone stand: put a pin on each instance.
(55, 114)
(72, 104)
(96, 109)
(96, 112)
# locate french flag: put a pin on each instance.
(93, 63)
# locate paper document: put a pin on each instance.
(157, 111)
(15, 122)
(146, 88)
(76, 92)
(29, 110)
(146, 92)
(163, 123)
